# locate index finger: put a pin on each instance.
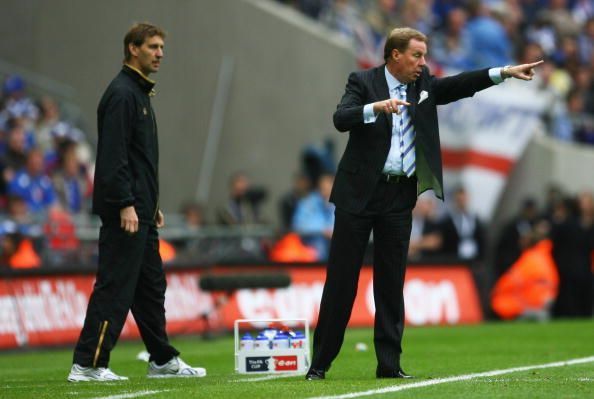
(535, 63)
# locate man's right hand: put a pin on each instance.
(389, 106)
(129, 219)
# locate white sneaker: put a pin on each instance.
(174, 368)
(101, 374)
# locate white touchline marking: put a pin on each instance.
(465, 377)
(8, 386)
(268, 377)
(130, 395)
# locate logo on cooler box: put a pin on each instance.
(285, 363)
(257, 363)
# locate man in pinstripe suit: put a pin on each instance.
(392, 155)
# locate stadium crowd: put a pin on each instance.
(46, 168)
(469, 34)
(45, 176)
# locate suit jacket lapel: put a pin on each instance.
(381, 88)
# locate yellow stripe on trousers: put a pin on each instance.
(103, 330)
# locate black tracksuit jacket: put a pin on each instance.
(126, 171)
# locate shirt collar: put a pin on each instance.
(393, 83)
(145, 83)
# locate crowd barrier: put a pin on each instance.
(43, 310)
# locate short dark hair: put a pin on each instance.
(137, 34)
(399, 39)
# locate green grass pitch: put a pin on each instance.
(430, 353)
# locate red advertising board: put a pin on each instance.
(38, 311)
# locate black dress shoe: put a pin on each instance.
(315, 374)
(398, 373)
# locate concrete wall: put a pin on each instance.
(288, 76)
(546, 161)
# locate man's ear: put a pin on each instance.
(133, 49)
(395, 55)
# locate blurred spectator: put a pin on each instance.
(71, 181)
(462, 231)
(509, 16)
(318, 160)
(314, 217)
(16, 103)
(553, 84)
(586, 211)
(529, 288)
(488, 40)
(581, 122)
(60, 236)
(18, 215)
(344, 17)
(15, 156)
(543, 33)
(586, 41)
(516, 236)
(440, 10)
(193, 214)
(243, 206)
(425, 237)
(417, 15)
(61, 134)
(49, 117)
(584, 83)
(572, 248)
(530, 10)
(451, 47)
(33, 185)
(19, 235)
(288, 202)
(559, 16)
(531, 52)
(553, 195)
(582, 11)
(311, 8)
(382, 16)
(567, 54)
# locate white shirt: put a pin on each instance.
(393, 163)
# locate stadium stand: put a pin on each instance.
(45, 215)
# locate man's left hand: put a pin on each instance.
(523, 71)
(160, 219)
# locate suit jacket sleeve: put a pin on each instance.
(349, 113)
(465, 84)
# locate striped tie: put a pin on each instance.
(407, 136)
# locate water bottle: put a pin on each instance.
(281, 341)
(299, 341)
(270, 333)
(261, 343)
(246, 343)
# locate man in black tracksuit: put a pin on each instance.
(126, 197)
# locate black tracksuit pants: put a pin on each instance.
(130, 277)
